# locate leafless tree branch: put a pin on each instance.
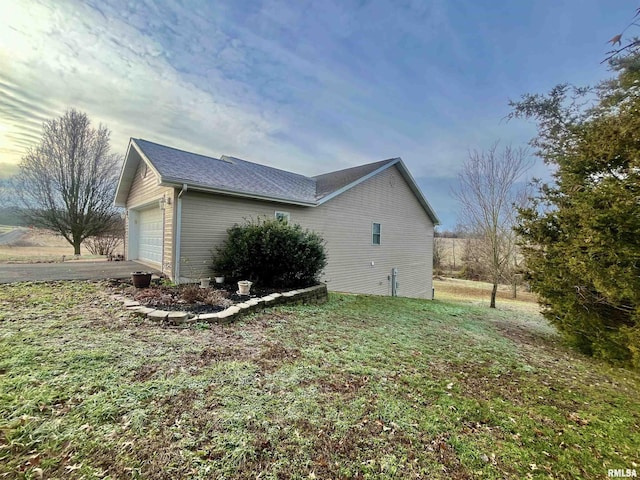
(67, 182)
(488, 194)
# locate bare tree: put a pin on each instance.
(487, 192)
(473, 255)
(6, 192)
(438, 253)
(67, 182)
(109, 241)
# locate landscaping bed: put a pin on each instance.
(190, 297)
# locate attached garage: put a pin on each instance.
(149, 235)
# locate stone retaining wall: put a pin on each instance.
(316, 294)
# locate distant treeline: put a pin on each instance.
(12, 216)
(449, 234)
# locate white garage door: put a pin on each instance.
(150, 235)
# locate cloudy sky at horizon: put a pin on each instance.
(305, 86)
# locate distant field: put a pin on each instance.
(38, 245)
(456, 288)
(452, 250)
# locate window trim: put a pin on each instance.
(281, 215)
(374, 233)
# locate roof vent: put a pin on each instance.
(228, 159)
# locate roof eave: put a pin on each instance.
(120, 197)
(417, 192)
(349, 186)
(405, 174)
(129, 167)
(176, 182)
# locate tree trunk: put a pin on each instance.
(76, 246)
(494, 292)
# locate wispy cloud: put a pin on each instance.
(307, 86)
(115, 73)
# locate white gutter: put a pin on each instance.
(176, 270)
(169, 182)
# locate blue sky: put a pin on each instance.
(307, 86)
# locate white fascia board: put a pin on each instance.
(358, 181)
(177, 183)
(128, 171)
(119, 189)
(147, 161)
(417, 192)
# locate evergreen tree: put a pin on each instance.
(581, 237)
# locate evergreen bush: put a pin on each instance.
(273, 253)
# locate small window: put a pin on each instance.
(283, 216)
(375, 234)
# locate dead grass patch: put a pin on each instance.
(145, 372)
(217, 344)
(274, 354)
(336, 452)
(344, 384)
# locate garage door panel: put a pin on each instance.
(150, 236)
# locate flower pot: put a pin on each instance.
(244, 286)
(204, 282)
(141, 279)
(219, 279)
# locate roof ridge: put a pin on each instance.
(269, 166)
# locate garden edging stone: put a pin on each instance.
(316, 294)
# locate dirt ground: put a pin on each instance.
(40, 245)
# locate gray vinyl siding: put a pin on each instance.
(345, 222)
(145, 191)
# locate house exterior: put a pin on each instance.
(373, 217)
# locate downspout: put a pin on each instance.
(125, 217)
(176, 270)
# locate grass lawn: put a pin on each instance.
(367, 387)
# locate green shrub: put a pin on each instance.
(272, 252)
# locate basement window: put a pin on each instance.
(283, 216)
(375, 234)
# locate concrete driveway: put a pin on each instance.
(73, 270)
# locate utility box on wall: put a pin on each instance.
(394, 282)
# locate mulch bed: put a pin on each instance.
(191, 297)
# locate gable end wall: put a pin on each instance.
(146, 192)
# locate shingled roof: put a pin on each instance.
(227, 173)
(333, 181)
(234, 176)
